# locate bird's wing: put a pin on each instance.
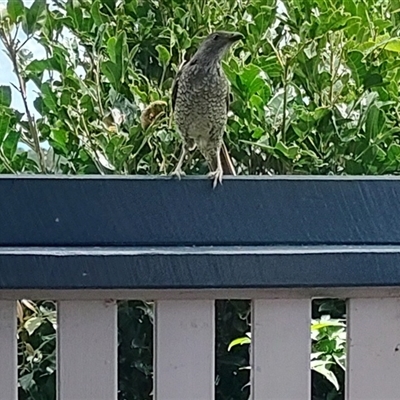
(175, 85)
(229, 99)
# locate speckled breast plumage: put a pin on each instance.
(201, 108)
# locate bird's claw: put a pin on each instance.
(217, 176)
(178, 173)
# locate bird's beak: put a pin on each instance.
(236, 37)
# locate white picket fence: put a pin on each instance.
(184, 343)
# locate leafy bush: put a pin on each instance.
(36, 350)
(328, 356)
(328, 352)
(135, 350)
(315, 85)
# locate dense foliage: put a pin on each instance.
(315, 88)
(315, 85)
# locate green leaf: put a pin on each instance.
(239, 341)
(26, 381)
(384, 41)
(340, 360)
(58, 140)
(393, 152)
(356, 64)
(111, 44)
(289, 152)
(257, 85)
(35, 16)
(74, 10)
(257, 101)
(15, 9)
(258, 132)
(39, 66)
(163, 54)
(375, 122)
(38, 104)
(66, 97)
(10, 144)
(98, 17)
(5, 96)
(325, 324)
(113, 72)
(371, 80)
(4, 124)
(120, 51)
(32, 324)
(382, 24)
(380, 154)
(49, 98)
(249, 74)
(19, 161)
(271, 66)
(393, 45)
(114, 69)
(320, 366)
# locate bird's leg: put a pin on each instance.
(178, 170)
(218, 173)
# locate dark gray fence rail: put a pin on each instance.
(143, 232)
(119, 211)
(205, 268)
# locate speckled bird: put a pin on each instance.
(200, 100)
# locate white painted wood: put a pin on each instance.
(280, 349)
(373, 343)
(184, 344)
(199, 294)
(193, 250)
(87, 350)
(8, 350)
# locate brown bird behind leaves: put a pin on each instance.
(153, 111)
(200, 100)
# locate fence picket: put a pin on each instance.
(87, 350)
(184, 363)
(373, 349)
(8, 350)
(281, 349)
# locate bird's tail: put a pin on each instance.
(227, 165)
(226, 161)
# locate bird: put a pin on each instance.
(150, 114)
(200, 102)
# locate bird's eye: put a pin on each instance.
(216, 37)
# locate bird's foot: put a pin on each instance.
(178, 173)
(217, 176)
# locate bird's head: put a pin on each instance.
(215, 45)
